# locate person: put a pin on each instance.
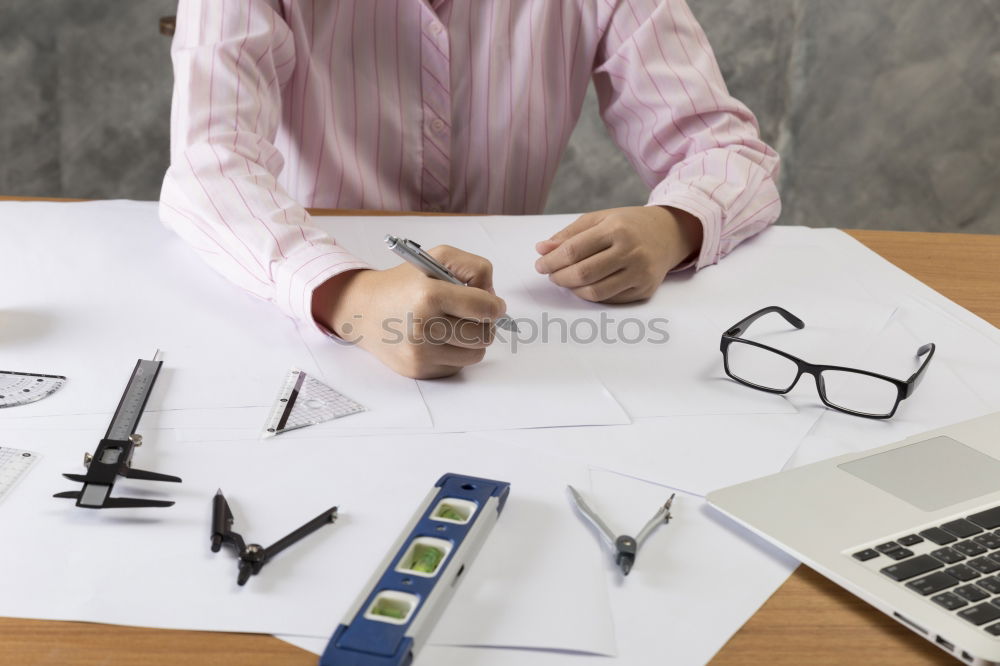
(448, 105)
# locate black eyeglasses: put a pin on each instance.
(856, 392)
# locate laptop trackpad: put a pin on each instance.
(930, 475)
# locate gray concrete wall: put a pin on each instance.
(886, 111)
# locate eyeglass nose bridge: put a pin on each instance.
(817, 374)
(820, 386)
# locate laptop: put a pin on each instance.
(913, 528)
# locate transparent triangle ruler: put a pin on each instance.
(20, 388)
(305, 401)
(14, 464)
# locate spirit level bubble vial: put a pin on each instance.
(392, 618)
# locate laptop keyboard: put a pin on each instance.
(955, 565)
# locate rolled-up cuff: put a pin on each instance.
(298, 275)
(694, 201)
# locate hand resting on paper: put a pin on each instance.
(620, 255)
(420, 327)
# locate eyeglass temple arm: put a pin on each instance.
(914, 381)
(740, 328)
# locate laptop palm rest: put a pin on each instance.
(931, 474)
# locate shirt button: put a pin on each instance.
(437, 125)
(435, 27)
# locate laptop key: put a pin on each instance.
(949, 601)
(971, 593)
(962, 572)
(988, 540)
(938, 536)
(993, 629)
(961, 528)
(887, 547)
(970, 548)
(865, 555)
(910, 540)
(991, 584)
(984, 565)
(994, 556)
(989, 519)
(932, 583)
(947, 555)
(899, 554)
(915, 566)
(980, 614)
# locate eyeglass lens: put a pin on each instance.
(761, 367)
(852, 391)
(859, 393)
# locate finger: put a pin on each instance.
(466, 303)
(467, 267)
(631, 295)
(546, 246)
(445, 330)
(590, 270)
(581, 223)
(606, 289)
(453, 356)
(579, 247)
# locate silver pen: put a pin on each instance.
(414, 254)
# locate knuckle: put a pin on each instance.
(426, 295)
(620, 229)
(572, 252)
(499, 307)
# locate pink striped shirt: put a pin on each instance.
(436, 105)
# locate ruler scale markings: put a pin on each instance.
(14, 464)
(305, 401)
(21, 388)
(134, 400)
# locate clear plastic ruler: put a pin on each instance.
(305, 401)
(14, 464)
(20, 388)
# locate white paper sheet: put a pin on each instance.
(694, 453)
(526, 385)
(153, 567)
(92, 287)
(946, 395)
(683, 376)
(696, 581)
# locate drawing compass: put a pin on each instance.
(253, 557)
(113, 457)
(624, 546)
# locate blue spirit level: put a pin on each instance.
(391, 619)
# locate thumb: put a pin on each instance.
(467, 267)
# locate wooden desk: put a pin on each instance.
(808, 620)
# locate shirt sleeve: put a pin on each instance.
(221, 193)
(665, 103)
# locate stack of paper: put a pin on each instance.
(636, 393)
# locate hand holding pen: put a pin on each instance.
(421, 328)
(412, 253)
